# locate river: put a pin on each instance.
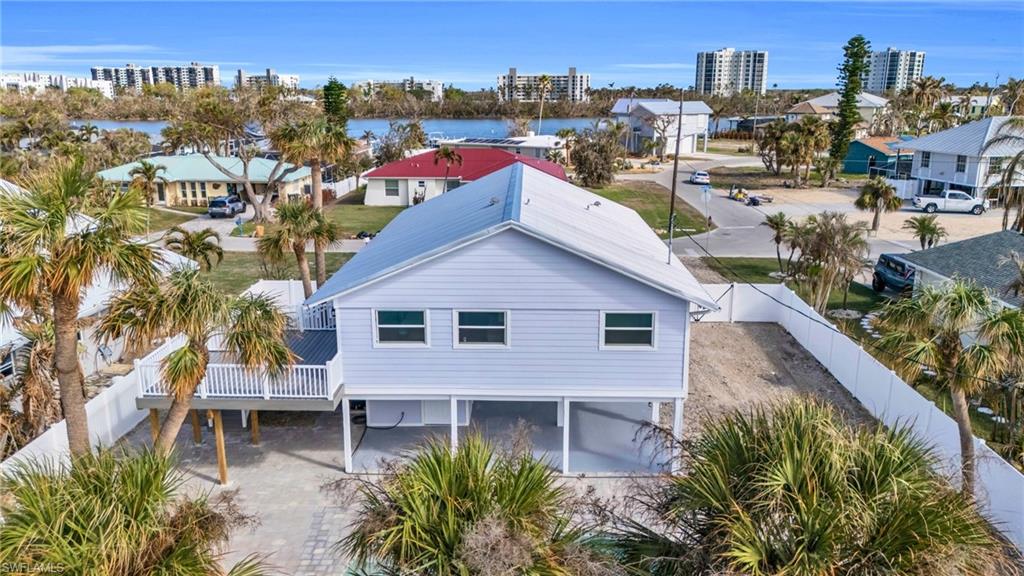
(448, 127)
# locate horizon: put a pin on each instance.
(429, 40)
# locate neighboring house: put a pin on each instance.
(531, 146)
(956, 159)
(877, 154)
(643, 114)
(802, 109)
(519, 289)
(418, 178)
(192, 180)
(975, 259)
(868, 105)
(976, 108)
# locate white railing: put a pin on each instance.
(319, 317)
(999, 488)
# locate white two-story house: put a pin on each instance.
(957, 159)
(519, 295)
(646, 116)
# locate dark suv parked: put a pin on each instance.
(892, 273)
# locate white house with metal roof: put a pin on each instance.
(644, 115)
(518, 295)
(958, 159)
(192, 179)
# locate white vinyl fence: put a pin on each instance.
(1000, 487)
(112, 414)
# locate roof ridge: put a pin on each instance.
(514, 195)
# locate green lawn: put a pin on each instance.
(162, 220)
(349, 213)
(192, 209)
(651, 201)
(239, 270)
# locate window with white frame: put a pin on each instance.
(391, 187)
(926, 159)
(627, 329)
(401, 326)
(481, 328)
(961, 163)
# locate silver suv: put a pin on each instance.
(225, 206)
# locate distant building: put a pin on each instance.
(532, 145)
(36, 82)
(878, 155)
(132, 78)
(643, 115)
(826, 107)
(571, 87)
(972, 107)
(728, 71)
(269, 78)
(893, 70)
(434, 88)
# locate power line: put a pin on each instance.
(832, 328)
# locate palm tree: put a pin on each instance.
(54, 253)
(944, 116)
(878, 196)
(200, 245)
(146, 177)
(928, 331)
(778, 223)
(447, 514)
(298, 223)
(1014, 260)
(88, 132)
(815, 137)
(1010, 136)
(316, 141)
(796, 490)
(926, 229)
(115, 513)
(543, 86)
(188, 304)
(449, 156)
(830, 247)
(567, 135)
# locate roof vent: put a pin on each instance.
(595, 203)
(494, 200)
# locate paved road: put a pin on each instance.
(230, 243)
(739, 231)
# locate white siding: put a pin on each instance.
(554, 300)
(407, 188)
(942, 167)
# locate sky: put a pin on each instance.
(468, 44)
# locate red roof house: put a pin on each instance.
(418, 178)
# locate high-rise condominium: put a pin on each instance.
(728, 71)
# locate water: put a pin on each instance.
(451, 128)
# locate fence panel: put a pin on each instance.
(873, 386)
(844, 362)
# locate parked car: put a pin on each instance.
(225, 206)
(951, 201)
(893, 273)
(700, 177)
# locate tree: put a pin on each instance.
(661, 124)
(146, 177)
(88, 132)
(116, 514)
(517, 127)
(593, 156)
(298, 223)
(851, 73)
(336, 102)
(943, 116)
(201, 245)
(827, 168)
(796, 490)
(474, 511)
(543, 86)
(567, 136)
(190, 305)
(62, 233)
(926, 229)
(928, 330)
(449, 156)
(317, 141)
(1009, 136)
(778, 223)
(1016, 261)
(815, 139)
(829, 247)
(878, 196)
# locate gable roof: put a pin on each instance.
(969, 139)
(808, 107)
(882, 144)
(476, 163)
(864, 100)
(976, 259)
(660, 106)
(528, 200)
(196, 167)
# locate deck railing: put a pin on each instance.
(319, 317)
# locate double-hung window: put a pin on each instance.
(627, 329)
(391, 187)
(400, 328)
(961, 163)
(926, 159)
(480, 328)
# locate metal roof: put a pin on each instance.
(189, 167)
(864, 100)
(969, 139)
(976, 259)
(476, 163)
(660, 106)
(532, 202)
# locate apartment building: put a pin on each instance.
(132, 78)
(433, 88)
(728, 71)
(515, 87)
(37, 82)
(268, 78)
(893, 69)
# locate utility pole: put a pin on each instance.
(675, 179)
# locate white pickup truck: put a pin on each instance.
(951, 201)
